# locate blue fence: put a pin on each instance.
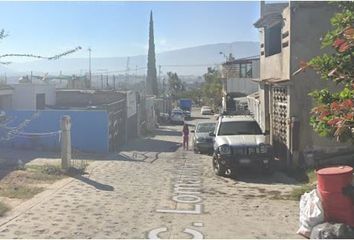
(40, 130)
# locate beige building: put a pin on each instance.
(239, 78)
(291, 32)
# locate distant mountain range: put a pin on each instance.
(186, 61)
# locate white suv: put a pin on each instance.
(206, 110)
(239, 142)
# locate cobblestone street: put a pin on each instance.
(155, 189)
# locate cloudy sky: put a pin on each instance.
(121, 28)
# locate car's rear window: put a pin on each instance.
(177, 113)
(205, 127)
(240, 128)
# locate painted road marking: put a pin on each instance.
(194, 233)
(185, 191)
(154, 233)
(198, 224)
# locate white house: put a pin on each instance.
(30, 96)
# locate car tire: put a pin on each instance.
(231, 173)
(218, 168)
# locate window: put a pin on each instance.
(240, 128)
(206, 127)
(249, 70)
(246, 70)
(273, 40)
(243, 70)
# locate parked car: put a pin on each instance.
(202, 142)
(239, 142)
(206, 110)
(187, 114)
(164, 118)
(177, 116)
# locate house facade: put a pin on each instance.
(239, 78)
(6, 93)
(291, 32)
(33, 96)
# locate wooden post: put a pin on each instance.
(138, 120)
(65, 126)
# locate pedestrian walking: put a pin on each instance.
(185, 135)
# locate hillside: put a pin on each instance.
(187, 61)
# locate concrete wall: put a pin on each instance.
(5, 101)
(132, 127)
(254, 106)
(24, 96)
(310, 22)
(84, 98)
(131, 103)
(150, 113)
(89, 130)
(256, 69)
(241, 85)
(277, 65)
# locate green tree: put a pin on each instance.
(175, 86)
(212, 88)
(333, 115)
(151, 79)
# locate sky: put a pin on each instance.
(121, 28)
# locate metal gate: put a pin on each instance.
(279, 122)
(117, 124)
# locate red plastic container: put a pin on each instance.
(331, 181)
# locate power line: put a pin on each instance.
(120, 71)
(191, 65)
(167, 65)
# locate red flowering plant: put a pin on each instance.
(333, 115)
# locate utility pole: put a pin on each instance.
(127, 70)
(163, 87)
(90, 77)
(136, 73)
(114, 82)
(101, 81)
(65, 140)
(60, 78)
(107, 81)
